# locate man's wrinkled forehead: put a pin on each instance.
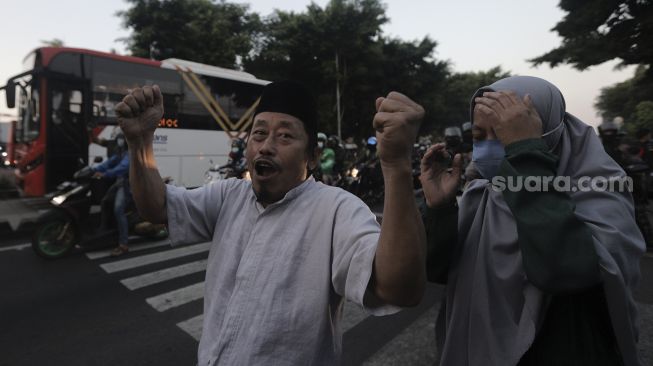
(282, 120)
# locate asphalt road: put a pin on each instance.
(145, 309)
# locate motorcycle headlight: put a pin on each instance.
(58, 200)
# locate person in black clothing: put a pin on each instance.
(609, 133)
(453, 138)
(468, 137)
(644, 137)
(534, 276)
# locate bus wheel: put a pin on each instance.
(54, 238)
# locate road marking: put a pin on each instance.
(193, 326)
(15, 247)
(176, 298)
(154, 258)
(134, 283)
(352, 316)
(107, 253)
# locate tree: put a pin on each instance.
(55, 42)
(625, 99)
(305, 46)
(643, 116)
(601, 31)
(215, 33)
(338, 49)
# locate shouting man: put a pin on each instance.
(286, 250)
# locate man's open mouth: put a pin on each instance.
(265, 168)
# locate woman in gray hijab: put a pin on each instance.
(537, 276)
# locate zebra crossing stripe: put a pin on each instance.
(15, 247)
(143, 260)
(193, 326)
(177, 297)
(107, 253)
(147, 279)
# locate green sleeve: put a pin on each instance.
(441, 237)
(328, 159)
(557, 247)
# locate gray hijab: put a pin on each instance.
(492, 311)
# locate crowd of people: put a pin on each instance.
(533, 277)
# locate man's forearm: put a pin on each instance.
(147, 187)
(399, 269)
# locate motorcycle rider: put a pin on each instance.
(453, 137)
(237, 157)
(609, 133)
(117, 167)
(327, 158)
(333, 142)
(370, 186)
(467, 138)
(636, 168)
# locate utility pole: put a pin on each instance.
(338, 97)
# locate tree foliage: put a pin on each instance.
(54, 42)
(305, 46)
(643, 116)
(602, 31)
(625, 100)
(336, 48)
(631, 100)
(215, 33)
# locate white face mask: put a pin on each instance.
(120, 142)
(320, 145)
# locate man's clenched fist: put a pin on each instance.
(139, 114)
(396, 122)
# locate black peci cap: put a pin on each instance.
(293, 98)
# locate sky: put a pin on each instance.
(474, 35)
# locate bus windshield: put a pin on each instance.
(28, 124)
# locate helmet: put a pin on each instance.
(452, 131)
(238, 142)
(608, 128)
(120, 141)
(371, 141)
(333, 141)
(467, 126)
(321, 136)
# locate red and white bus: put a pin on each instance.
(66, 96)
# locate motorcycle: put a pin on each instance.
(230, 170)
(68, 222)
(370, 185)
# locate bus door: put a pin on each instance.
(67, 137)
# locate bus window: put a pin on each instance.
(234, 98)
(75, 102)
(67, 138)
(28, 125)
(113, 79)
(66, 105)
(70, 64)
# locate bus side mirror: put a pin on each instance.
(10, 93)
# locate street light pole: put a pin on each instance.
(338, 97)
